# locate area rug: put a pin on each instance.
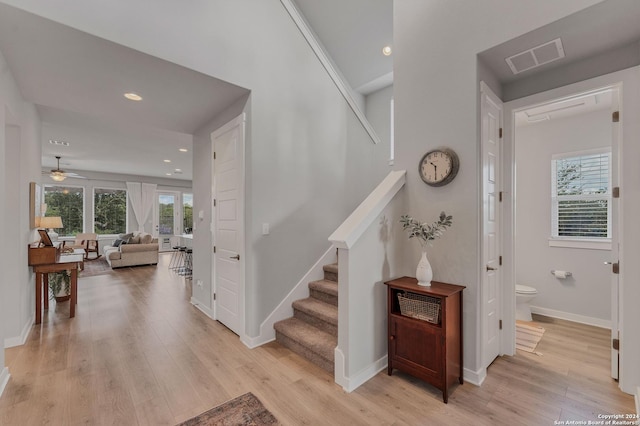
(245, 410)
(95, 267)
(528, 335)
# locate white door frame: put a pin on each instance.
(510, 108)
(177, 206)
(238, 121)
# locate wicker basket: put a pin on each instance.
(419, 306)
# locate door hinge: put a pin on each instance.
(500, 324)
(615, 192)
(214, 202)
(615, 268)
(500, 260)
(214, 296)
(214, 155)
(615, 344)
(500, 132)
(615, 117)
(500, 196)
(214, 249)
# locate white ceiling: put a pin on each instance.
(77, 82)
(563, 108)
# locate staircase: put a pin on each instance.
(312, 332)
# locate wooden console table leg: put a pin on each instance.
(39, 279)
(74, 292)
(45, 290)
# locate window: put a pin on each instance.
(187, 213)
(581, 195)
(109, 211)
(68, 203)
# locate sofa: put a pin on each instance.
(133, 249)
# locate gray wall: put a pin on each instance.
(588, 292)
(436, 45)
(378, 112)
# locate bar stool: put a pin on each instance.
(188, 261)
(179, 265)
(173, 262)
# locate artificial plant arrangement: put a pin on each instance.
(60, 285)
(425, 233)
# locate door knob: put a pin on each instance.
(236, 257)
(489, 268)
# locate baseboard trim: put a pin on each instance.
(4, 379)
(596, 322)
(637, 398)
(474, 377)
(349, 384)
(204, 309)
(284, 309)
(11, 342)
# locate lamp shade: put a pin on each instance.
(51, 222)
(57, 175)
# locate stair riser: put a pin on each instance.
(305, 352)
(330, 276)
(324, 297)
(316, 322)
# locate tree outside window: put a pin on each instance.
(68, 203)
(110, 211)
(187, 213)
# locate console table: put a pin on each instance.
(63, 262)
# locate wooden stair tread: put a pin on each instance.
(318, 309)
(312, 338)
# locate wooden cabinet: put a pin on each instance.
(421, 343)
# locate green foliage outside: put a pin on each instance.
(110, 211)
(67, 203)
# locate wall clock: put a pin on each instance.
(439, 167)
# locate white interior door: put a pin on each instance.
(615, 223)
(228, 257)
(491, 115)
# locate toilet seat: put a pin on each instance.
(523, 289)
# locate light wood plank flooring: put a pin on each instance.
(138, 353)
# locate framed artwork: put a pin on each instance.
(35, 204)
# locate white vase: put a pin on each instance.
(424, 273)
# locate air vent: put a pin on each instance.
(539, 55)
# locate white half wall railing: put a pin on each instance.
(370, 245)
(326, 62)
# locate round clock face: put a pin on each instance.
(439, 167)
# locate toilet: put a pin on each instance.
(524, 295)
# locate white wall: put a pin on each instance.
(20, 159)
(378, 112)
(436, 96)
(588, 292)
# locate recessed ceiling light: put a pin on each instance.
(178, 170)
(167, 161)
(386, 51)
(133, 96)
(183, 150)
(168, 174)
(59, 143)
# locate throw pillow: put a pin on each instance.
(125, 237)
(135, 239)
(117, 242)
(146, 238)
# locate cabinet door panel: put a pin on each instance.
(418, 343)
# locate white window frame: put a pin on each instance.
(594, 243)
(84, 203)
(93, 210)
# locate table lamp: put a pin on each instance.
(51, 222)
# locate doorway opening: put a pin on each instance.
(565, 223)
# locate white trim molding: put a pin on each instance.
(363, 216)
(11, 342)
(637, 398)
(4, 379)
(349, 384)
(326, 62)
(474, 377)
(202, 307)
(568, 316)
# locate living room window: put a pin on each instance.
(187, 213)
(109, 211)
(68, 203)
(581, 198)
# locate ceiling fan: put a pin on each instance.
(59, 175)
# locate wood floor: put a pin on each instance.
(137, 353)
